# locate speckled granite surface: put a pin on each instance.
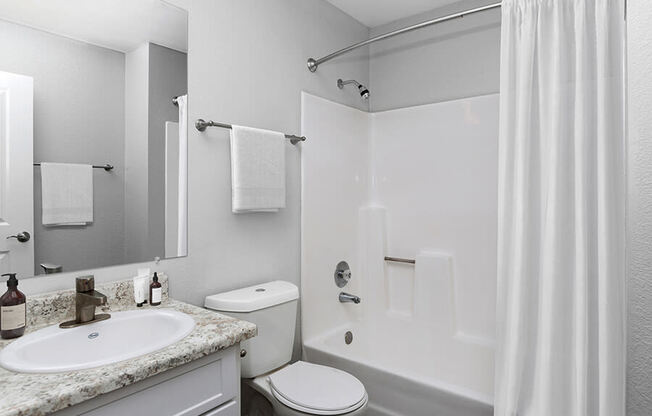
(40, 394)
(60, 306)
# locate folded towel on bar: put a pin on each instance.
(257, 170)
(66, 194)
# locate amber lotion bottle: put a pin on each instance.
(155, 292)
(13, 315)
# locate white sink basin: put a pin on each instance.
(125, 335)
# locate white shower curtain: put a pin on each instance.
(561, 248)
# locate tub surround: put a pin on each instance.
(40, 394)
(446, 300)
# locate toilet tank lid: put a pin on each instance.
(253, 298)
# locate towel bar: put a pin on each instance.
(106, 167)
(201, 125)
(400, 260)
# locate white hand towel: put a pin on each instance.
(257, 170)
(67, 194)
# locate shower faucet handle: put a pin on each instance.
(342, 274)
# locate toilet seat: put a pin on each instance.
(317, 389)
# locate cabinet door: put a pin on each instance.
(189, 394)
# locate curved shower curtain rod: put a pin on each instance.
(313, 64)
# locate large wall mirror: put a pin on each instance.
(93, 139)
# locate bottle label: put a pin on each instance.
(156, 295)
(12, 317)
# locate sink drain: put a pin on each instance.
(348, 337)
(93, 335)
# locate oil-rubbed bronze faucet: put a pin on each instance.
(86, 299)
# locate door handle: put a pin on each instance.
(21, 237)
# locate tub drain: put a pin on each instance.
(348, 337)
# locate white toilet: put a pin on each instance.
(297, 389)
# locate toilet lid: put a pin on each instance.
(317, 389)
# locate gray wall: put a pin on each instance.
(168, 75)
(78, 118)
(246, 65)
(136, 203)
(639, 360)
(455, 59)
(154, 75)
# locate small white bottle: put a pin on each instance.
(140, 290)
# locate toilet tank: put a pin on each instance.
(273, 308)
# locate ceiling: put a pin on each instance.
(121, 25)
(372, 13)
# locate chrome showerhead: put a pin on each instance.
(364, 91)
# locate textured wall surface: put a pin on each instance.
(639, 371)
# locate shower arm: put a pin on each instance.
(341, 83)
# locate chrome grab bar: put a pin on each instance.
(400, 260)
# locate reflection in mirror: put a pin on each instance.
(93, 146)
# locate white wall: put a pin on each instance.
(246, 65)
(639, 362)
(451, 60)
(78, 118)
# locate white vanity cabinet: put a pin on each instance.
(209, 386)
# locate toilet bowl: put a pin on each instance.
(294, 389)
(309, 389)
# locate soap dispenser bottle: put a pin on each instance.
(13, 314)
(155, 292)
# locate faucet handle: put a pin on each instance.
(85, 283)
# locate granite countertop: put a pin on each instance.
(40, 394)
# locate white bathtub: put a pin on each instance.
(407, 378)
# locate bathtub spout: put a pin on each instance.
(345, 297)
